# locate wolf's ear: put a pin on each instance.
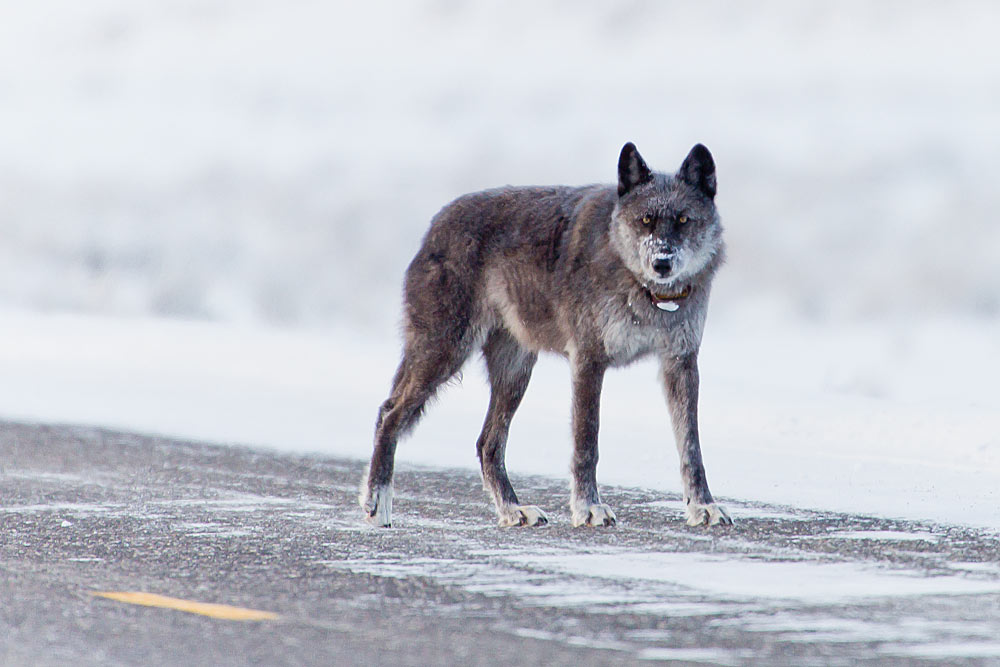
(632, 170)
(698, 169)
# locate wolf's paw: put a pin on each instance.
(522, 515)
(377, 506)
(707, 515)
(594, 515)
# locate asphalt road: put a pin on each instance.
(85, 511)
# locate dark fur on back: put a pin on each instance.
(600, 274)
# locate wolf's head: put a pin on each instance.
(665, 227)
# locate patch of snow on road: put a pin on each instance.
(886, 535)
(728, 578)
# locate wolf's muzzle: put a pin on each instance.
(662, 265)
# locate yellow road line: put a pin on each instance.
(204, 608)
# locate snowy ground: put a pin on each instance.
(890, 422)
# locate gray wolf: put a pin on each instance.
(602, 275)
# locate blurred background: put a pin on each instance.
(277, 163)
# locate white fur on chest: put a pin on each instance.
(626, 340)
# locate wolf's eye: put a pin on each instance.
(682, 219)
(647, 220)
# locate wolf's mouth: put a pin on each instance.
(668, 300)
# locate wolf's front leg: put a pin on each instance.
(680, 384)
(585, 502)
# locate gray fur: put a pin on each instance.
(599, 274)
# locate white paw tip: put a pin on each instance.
(707, 515)
(377, 506)
(596, 515)
(523, 515)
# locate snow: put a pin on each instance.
(726, 578)
(950, 650)
(887, 535)
(805, 600)
(914, 437)
(693, 655)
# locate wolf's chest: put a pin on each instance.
(629, 335)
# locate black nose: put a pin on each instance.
(661, 265)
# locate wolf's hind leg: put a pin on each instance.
(419, 376)
(509, 367)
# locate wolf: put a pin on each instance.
(602, 275)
